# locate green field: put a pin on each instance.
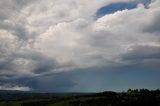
(141, 97)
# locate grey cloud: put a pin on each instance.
(5, 25)
(36, 41)
(59, 82)
(24, 2)
(142, 58)
(21, 32)
(44, 64)
(55, 83)
(17, 29)
(139, 52)
(23, 83)
(32, 64)
(154, 26)
(10, 68)
(9, 8)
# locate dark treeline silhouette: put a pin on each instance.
(135, 97)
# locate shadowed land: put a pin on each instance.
(142, 97)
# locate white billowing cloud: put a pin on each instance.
(127, 27)
(60, 35)
(87, 43)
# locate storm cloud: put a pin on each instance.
(44, 42)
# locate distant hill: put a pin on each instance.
(42, 93)
(142, 97)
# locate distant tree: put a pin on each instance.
(129, 90)
(136, 91)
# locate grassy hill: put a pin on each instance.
(141, 97)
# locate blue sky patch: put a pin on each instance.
(111, 8)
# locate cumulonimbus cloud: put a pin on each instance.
(42, 37)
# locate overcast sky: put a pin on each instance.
(79, 45)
